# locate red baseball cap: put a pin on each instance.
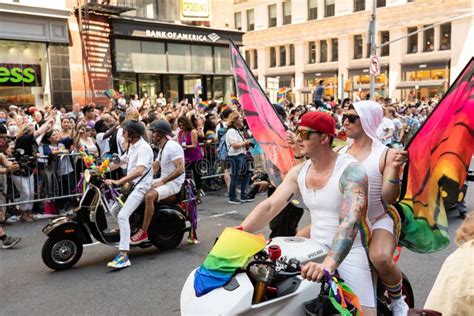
(319, 121)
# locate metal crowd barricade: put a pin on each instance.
(42, 179)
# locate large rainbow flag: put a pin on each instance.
(266, 126)
(231, 252)
(439, 157)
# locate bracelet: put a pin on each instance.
(394, 181)
(298, 157)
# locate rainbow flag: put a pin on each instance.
(439, 156)
(281, 95)
(231, 252)
(203, 105)
(235, 100)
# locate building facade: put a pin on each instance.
(297, 43)
(34, 55)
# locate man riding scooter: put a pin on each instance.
(170, 161)
(139, 159)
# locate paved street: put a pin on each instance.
(153, 284)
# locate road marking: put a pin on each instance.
(93, 244)
(222, 214)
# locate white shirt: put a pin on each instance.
(383, 129)
(398, 128)
(135, 103)
(140, 154)
(103, 144)
(171, 152)
(232, 137)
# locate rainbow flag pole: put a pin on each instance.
(203, 105)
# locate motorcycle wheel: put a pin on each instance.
(61, 254)
(383, 299)
(167, 240)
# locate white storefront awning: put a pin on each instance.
(420, 84)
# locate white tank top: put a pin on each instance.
(376, 207)
(324, 204)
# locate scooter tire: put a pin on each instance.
(167, 242)
(55, 253)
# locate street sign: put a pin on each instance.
(374, 65)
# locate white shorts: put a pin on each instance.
(167, 190)
(357, 274)
(384, 222)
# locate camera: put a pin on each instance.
(25, 162)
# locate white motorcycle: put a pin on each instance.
(271, 284)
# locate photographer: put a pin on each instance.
(25, 150)
(7, 166)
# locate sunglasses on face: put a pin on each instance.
(350, 117)
(306, 133)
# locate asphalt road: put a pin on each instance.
(153, 283)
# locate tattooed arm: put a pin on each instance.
(271, 207)
(354, 186)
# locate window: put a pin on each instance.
(384, 38)
(255, 59)
(292, 54)
(357, 46)
(250, 20)
(381, 3)
(312, 9)
(272, 15)
(412, 44)
(359, 5)
(445, 34)
(143, 9)
(238, 20)
(286, 12)
(312, 52)
(222, 60)
(323, 51)
(428, 39)
(179, 58)
(282, 56)
(329, 8)
(201, 59)
(335, 49)
(273, 57)
(247, 57)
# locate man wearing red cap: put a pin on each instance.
(334, 188)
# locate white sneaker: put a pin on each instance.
(399, 307)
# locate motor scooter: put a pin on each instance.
(88, 223)
(273, 287)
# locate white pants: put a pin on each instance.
(168, 189)
(133, 201)
(26, 186)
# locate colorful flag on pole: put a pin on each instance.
(234, 100)
(203, 105)
(439, 157)
(266, 126)
(281, 95)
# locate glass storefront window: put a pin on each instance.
(223, 88)
(153, 57)
(24, 74)
(179, 58)
(445, 33)
(126, 84)
(201, 59)
(428, 74)
(171, 87)
(312, 81)
(222, 60)
(143, 8)
(150, 84)
(189, 82)
(127, 53)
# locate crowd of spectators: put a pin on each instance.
(46, 142)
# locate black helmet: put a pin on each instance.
(134, 127)
(162, 126)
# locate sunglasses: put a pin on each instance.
(350, 117)
(306, 133)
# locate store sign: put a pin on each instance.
(181, 36)
(199, 10)
(20, 75)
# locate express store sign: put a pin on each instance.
(20, 75)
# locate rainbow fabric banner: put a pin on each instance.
(234, 100)
(439, 157)
(203, 105)
(266, 126)
(281, 95)
(231, 252)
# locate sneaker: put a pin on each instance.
(119, 262)
(10, 242)
(236, 201)
(139, 237)
(399, 307)
(247, 199)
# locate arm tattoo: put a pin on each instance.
(354, 186)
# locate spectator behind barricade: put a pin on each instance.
(188, 138)
(76, 109)
(134, 101)
(12, 129)
(210, 126)
(104, 132)
(84, 141)
(3, 117)
(453, 291)
(221, 131)
(386, 128)
(38, 117)
(67, 132)
(198, 123)
(236, 145)
(89, 115)
(161, 100)
(24, 153)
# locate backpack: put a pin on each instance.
(222, 149)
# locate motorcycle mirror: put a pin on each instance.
(115, 159)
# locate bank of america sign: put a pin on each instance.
(213, 37)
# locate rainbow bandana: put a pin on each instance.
(231, 252)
